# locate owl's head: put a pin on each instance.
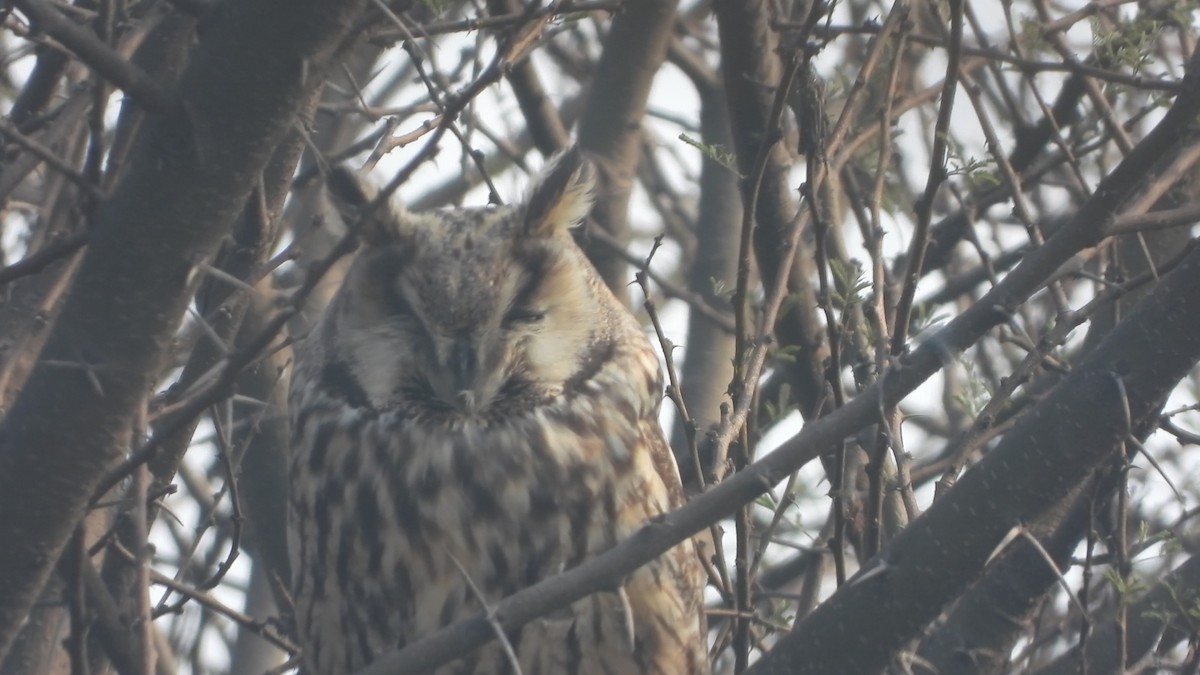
(467, 309)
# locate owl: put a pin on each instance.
(475, 412)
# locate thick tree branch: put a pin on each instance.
(610, 128)
(189, 177)
(752, 70)
(1050, 451)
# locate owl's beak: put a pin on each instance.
(464, 376)
(463, 363)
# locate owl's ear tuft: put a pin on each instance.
(354, 199)
(562, 196)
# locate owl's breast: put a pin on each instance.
(409, 518)
(435, 511)
(526, 496)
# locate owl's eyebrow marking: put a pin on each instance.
(535, 264)
(525, 293)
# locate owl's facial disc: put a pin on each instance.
(474, 309)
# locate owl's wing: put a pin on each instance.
(667, 595)
(664, 462)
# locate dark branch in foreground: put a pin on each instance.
(124, 75)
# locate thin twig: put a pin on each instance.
(675, 393)
(43, 258)
(1022, 64)
(490, 613)
(263, 629)
(512, 19)
(721, 318)
(10, 131)
(99, 56)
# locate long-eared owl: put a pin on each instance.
(474, 412)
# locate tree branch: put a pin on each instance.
(190, 175)
(610, 128)
(99, 56)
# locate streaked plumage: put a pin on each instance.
(476, 401)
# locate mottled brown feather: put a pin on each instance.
(476, 403)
